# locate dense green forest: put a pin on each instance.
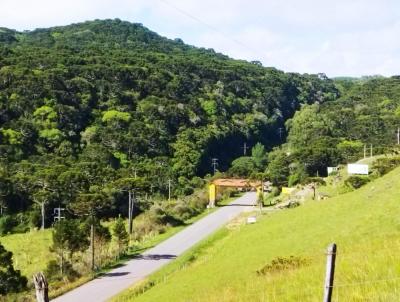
(92, 109)
(365, 116)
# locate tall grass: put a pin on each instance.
(30, 250)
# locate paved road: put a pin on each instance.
(115, 281)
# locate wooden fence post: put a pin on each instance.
(330, 272)
(41, 286)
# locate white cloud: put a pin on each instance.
(338, 37)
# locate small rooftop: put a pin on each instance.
(238, 182)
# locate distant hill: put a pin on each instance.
(365, 119)
(118, 95)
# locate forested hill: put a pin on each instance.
(95, 101)
(366, 116)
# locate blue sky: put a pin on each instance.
(337, 37)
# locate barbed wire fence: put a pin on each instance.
(336, 286)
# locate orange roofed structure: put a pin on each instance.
(236, 183)
(218, 185)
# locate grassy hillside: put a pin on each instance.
(30, 251)
(365, 225)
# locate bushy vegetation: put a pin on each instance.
(384, 165)
(365, 116)
(356, 182)
(63, 252)
(282, 264)
(92, 111)
(121, 235)
(11, 280)
(86, 105)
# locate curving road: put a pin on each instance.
(115, 281)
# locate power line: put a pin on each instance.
(189, 15)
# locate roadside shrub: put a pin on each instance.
(334, 173)
(182, 211)
(22, 221)
(275, 201)
(293, 204)
(293, 180)
(356, 182)
(198, 200)
(197, 182)
(282, 264)
(11, 280)
(276, 191)
(385, 165)
(7, 223)
(35, 219)
(53, 271)
(145, 225)
(121, 235)
(11, 224)
(176, 212)
(298, 176)
(162, 215)
(318, 180)
(229, 193)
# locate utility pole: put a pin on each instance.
(245, 148)
(262, 194)
(214, 164)
(2, 205)
(313, 187)
(280, 131)
(92, 258)
(42, 211)
(130, 210)
(57, 214)
(169, 189)
(92, 244)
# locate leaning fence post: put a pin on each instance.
(41, 286)
(330, 272)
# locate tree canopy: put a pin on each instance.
(84, 105)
